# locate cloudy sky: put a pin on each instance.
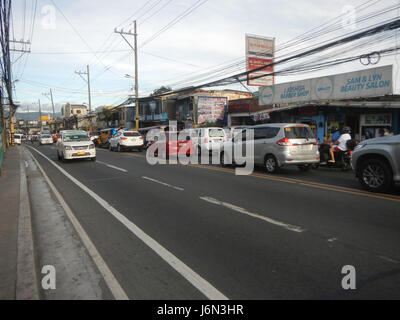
(70, 34)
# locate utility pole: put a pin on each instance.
(52, 102)
(40, 117)
(134, 48)
(87, 80)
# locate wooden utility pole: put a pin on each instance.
(134, 48)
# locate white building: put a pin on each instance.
(69, 110)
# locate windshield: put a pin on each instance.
(46, 136)
(300, 132)
(76, 138)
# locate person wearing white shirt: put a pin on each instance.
(341, 144)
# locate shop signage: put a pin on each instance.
(211, 109)
(359, 84)
(260, 52)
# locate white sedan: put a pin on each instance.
(75, 145)
(126, 140)
(45, 139)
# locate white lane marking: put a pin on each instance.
(163, 183)
(332, 239)
(254, 215)
(109, 278)
(113, 167)
(195, 279)
(389, 259)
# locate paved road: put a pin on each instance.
(285, 236)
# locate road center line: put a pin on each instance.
(254, 215)
(163, 183)
(190, 275)
(113, 167)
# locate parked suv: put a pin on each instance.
(277, 145)
(377, 163)
(126, 140)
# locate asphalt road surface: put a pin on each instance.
(208, 233)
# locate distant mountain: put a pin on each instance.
(35, 115)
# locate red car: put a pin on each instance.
(169, 144)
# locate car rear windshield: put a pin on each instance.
(216, 133)
(76, 138)
(131, 134)
(46, 137)
(17, 136)
(300, 132)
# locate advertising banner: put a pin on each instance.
(260, 51)
(211, 109)
(358, 84)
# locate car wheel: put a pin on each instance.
(93, 159)
(375, 175)
(304, 167)
(271, 164)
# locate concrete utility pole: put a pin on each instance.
(87, 80)
(52, 102)
(134, 48)
(40, 116)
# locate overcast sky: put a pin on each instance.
(80, 32)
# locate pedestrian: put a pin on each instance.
(388, 132)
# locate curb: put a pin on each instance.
(27, 285)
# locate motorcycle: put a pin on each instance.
(342, 158)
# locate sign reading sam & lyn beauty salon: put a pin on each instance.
(359, 84)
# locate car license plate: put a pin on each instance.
(81, 153)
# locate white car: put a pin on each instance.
(210, 139)
(75, 145)
(18, 138)
(45, 139)
(233, 131)
(126, 140)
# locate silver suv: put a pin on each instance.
(277, 145)
(377, 163)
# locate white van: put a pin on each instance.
(18, 139)
(210, 139)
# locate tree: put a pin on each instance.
(161, 90)
(106, 115)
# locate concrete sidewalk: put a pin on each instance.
(18, 279)
(9, 212)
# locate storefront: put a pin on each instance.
(367, 119)
(247, 112)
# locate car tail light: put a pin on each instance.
(206, 140)
(140, 138)
(284, 142)
(123, 138)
